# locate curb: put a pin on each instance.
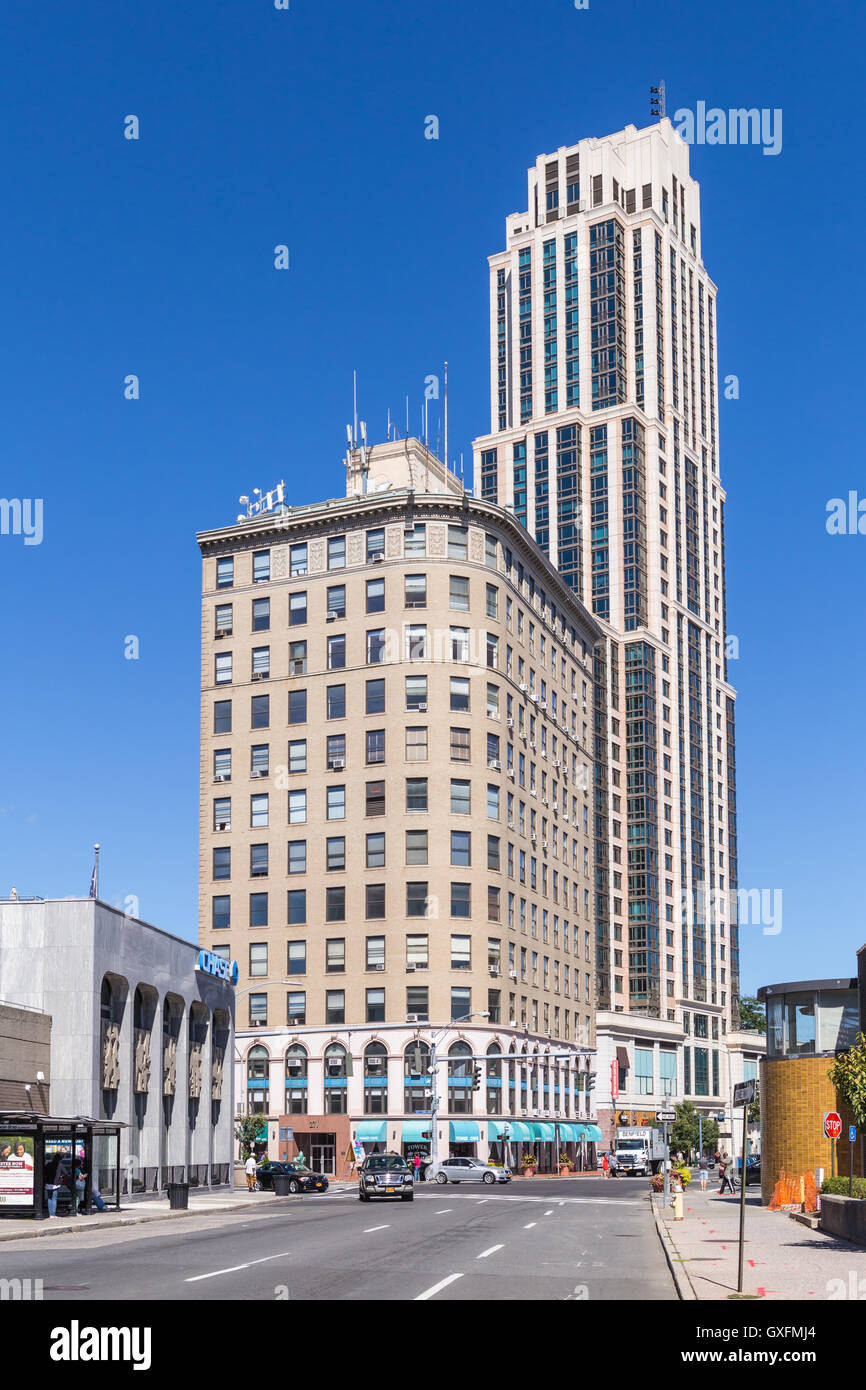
(676, 1265)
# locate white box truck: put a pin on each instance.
(640, 1151)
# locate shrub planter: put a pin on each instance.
(844, 1216)
(529, 1171)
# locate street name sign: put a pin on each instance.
(744, 1092)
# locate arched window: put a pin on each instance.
(416, 1078)
(460, 1068)
(296, 1080)
(375, 1079)
(258, 1076)
(494, 1079)
(336, 1072)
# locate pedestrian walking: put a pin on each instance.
(250, 1170)
(614, 1165)
(703, 1172)
(416, 1163)
(725, 1174)
(605, 1166)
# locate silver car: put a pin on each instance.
(469, 1170)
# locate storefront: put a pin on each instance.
(509, 1140)
(464, 1137)
(45, 1158)
(416, 1139)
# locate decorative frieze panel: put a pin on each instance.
(141, 1082)
(217, 1068)
(169, 1066)
(110, 1056)
(195, 1059)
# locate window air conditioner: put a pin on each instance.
(259, 772)
(379, 967)
(511, 825)
(512, 974)
(523, 686)
(410, 969)
(223, 777)
(510, 773)
(494, 970)
(377, 557)
(511, 723)
(223, 632)
(260, 675)
(495, 764)
(331, 615)
(411, 1018)
(223, 825)
(336, 764)
(422, 709)
(533, 745)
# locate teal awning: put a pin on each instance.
(463, 1132)
(416, 1129)
(518, 1132)
(570, 1132)
(374, 1131)
(593, 1133)
(542, 1132)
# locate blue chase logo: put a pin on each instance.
(211, 964)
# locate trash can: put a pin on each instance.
(178, 1195)
(281, 1184)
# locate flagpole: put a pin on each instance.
(96, 873)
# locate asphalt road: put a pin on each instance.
(572, 1239)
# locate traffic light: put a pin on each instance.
(590, 1081)
(426, 1134)
(476, 1079)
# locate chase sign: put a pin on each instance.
(212, 964)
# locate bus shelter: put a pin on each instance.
(61, 1160)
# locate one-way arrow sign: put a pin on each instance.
(666, 1117)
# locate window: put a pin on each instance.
(335, 751)
(297, 958)
(258, 861)
(224, 619)
(335, 1006)
(375, 953)
(222, 764)
(417, 1005)
(259, 809)
(416, 846)
(297, 856)
(297, 609)
(416, 899)
(337, 601)
(296, 1012)
(375, 799)
(258, 1010)
(492, 802)
(297, 560)
(375, 595)
(261, 566)
(375, 697)
(375, 741)
(375, 646)
(336, 702)
(492, 650)
(375, 1006)
(375, 544)
(415, 540)
(222, 863)
(457, 543)
(258, 960)
(461, 953)
(297, 658)
(416, 793)
(260, 712)
(335, 853)
(417, 952)
(335, 956)
(223, 669)
(375, 900)
(337, 652)
(459, 693)
(222, 813)
(225, 573)
(459, 639)
(493, 701)
(337, 553)
(297, 905)
(222, 717)
(492, 601)
(460, 745)
(493, 859)
(416, 744)
(335, 904)
(460, 799)
(297, 706)
(221, 912)
(258, 909)
(461, 1005)
(643, 1070)
(259, 759)
(493, 904)
(416, 692)
(668, 1073)
(461, 848)
(461, 900)
(298, 755)
(297, 808)
(416, 641)
(458, 593)
(415, 591)
(336, 803)
(376, 851)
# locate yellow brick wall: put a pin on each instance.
(795, 1096)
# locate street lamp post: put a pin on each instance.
(434, 1099)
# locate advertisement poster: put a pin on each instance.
(16, 1170)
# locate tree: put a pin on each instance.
(685, 1129)
(848, 1075)
(248, 1130)
(753, 1013)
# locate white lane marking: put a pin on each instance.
(443, 1284)
(234, 1268)
(443, 1211)
(375, 1228)
(568, 1201)
(530, 1226)
(492, 1251)
(549, 1213)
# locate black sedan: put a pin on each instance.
(300, 1179)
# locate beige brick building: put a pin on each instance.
(396, 808)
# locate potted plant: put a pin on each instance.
(657, 1182)
(529, 1163)
(565, 1165)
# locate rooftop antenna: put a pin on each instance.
(657, 100)
(407, 417)
(355, 408)
(446, 415)
(388, 427)
(364, 457)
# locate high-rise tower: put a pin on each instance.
(604, 442)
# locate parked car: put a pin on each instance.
(385, 1175)
(300, 1179)
(467, 1170)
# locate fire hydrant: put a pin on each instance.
(677, 1201)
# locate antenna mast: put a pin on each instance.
(657, 100)
(446, 415)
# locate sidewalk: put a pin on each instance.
(783, 1259)
(156, 1209)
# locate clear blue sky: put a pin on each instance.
(306, 127)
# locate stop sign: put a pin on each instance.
(832, 1125)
